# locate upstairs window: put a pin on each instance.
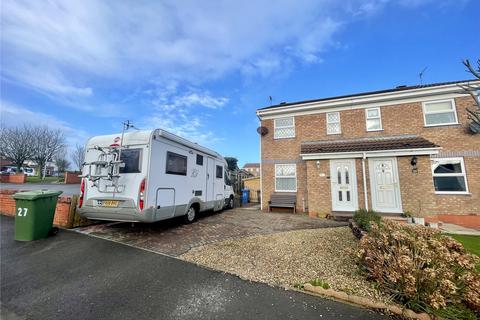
(438, 113)
(373, 119)
(284, 128)
(285, 177)
(333, 123)
(449, 175)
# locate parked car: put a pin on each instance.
(29, 171)
(148, 176)
(8, 170)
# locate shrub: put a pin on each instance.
(421, 268)
(363, 218)
(320, 283)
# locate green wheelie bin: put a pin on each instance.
(34, 213)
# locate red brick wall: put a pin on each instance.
(13, 178)
(62, 218)
(416, 190)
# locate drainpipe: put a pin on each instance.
(364, 175)
(261, 175)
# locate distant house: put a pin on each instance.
(406, 149)
(253, 168)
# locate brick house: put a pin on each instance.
(253, 168)
(397, 150)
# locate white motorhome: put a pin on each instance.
(149, 176)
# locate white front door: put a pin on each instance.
(344, 185)
(385, 185)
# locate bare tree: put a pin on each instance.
(61, 160)
(46, 144)
(15, 144)
(78, 156)
(473, 91)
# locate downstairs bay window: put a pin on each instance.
(449, 176)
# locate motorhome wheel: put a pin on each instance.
(191, 215)
(231, 203)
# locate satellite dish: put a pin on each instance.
(262, 131)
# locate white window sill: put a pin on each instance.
(286, 191)
(332, 134)
(453, 193)
(280, 138)
(441, 125)
(376, 130)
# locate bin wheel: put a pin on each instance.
(53, 231)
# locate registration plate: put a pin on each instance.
(108, 203)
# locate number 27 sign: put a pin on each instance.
(22, 212)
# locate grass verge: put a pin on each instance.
(36, 179)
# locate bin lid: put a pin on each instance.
(36, 194)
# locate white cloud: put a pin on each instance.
(15, 115)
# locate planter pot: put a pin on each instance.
(420, 221)
(433, 225)
(409, 220)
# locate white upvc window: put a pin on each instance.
(439, 113)
(284, 128)
(373, 119)
(286, 177)
(449, 176)
(333, 123)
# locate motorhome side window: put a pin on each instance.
(176, 164)
(219, 172)
(199, 160)
(131, 158)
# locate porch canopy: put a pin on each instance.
(403, 145)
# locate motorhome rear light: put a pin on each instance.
(141, 194)
(82, 193)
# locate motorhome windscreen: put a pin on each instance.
(131, 158)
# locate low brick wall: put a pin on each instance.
(467, 221)
(65, 212)
(72, 178)
(13, 178)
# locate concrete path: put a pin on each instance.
(456, 229)
(68, 189)
(73, 276)
(174, 238)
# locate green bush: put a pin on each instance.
(320, 283)
(363, 218)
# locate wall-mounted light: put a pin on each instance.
(318, 164)
(413, 162)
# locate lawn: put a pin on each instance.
(36, 179)
(471, 243)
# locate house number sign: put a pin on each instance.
(22, 212)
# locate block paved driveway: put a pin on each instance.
(173, 238)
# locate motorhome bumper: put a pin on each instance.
(117, 214)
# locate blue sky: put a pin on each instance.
(201, 68)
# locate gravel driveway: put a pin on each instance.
(289, 258)
(173, 238)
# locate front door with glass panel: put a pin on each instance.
(344, 185)
(384, 185)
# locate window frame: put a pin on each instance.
(339, 123)
(290, 177)
(199, 156)
(291, 126)
(221, 171)
(178, 155)
(373, 118)
(425, 113)
(140, 160)
(462, 174)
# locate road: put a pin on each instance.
(68, 189)
(74, 276)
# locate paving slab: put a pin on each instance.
(73, 276)
(67, 189)
(456, 229)
(173, 238)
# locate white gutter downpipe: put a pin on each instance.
(364, 175)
